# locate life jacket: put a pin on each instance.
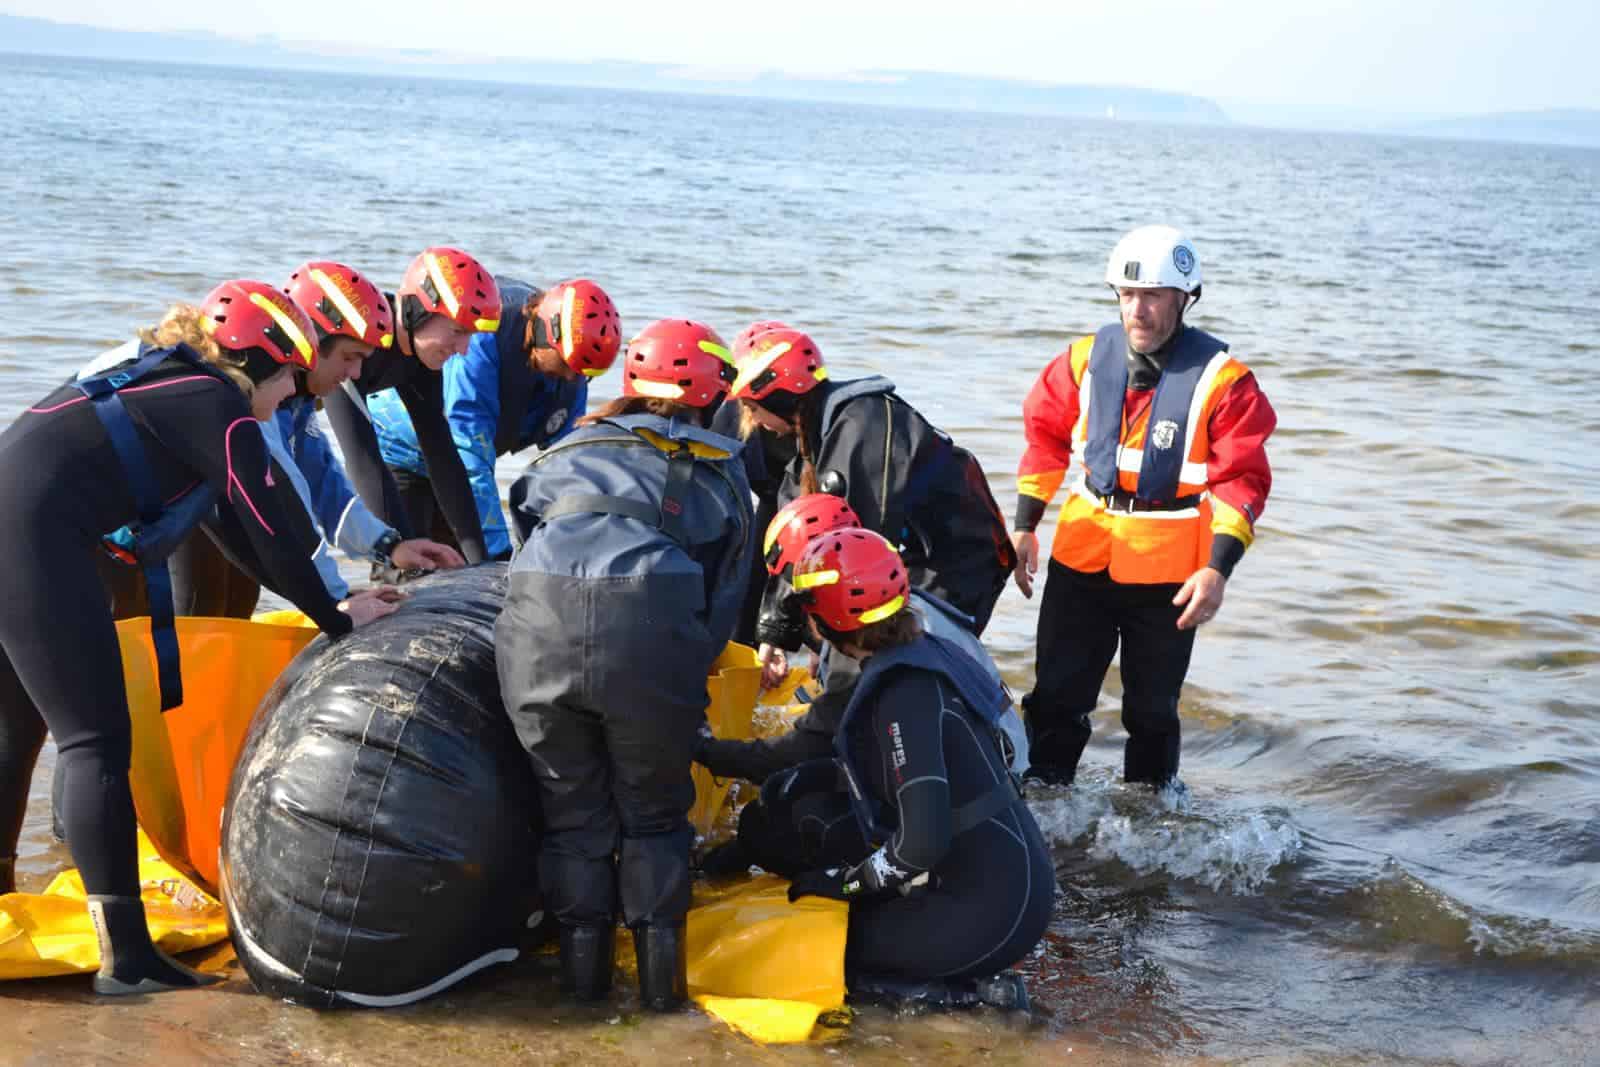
(1140, 506)
(944, 620)
(162, 524)
(523, 390)
(954, 530)
(982, 696)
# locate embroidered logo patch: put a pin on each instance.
(553, 424)
(1164, 433)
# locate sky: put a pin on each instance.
(1258, 58)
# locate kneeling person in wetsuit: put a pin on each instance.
(946, 872)
(788, 536)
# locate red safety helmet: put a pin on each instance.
(801, 520)
(579, 320)
(852, 578)
(779, 358)
(748, 335)
(448, 282)
(241, 315)
(676, 359)
(342, 303)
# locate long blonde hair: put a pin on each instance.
(185, 324)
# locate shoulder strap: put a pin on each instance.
(102, 390)
(668, 518)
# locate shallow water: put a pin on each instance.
(1391, 847)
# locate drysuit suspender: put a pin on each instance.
(668, 518)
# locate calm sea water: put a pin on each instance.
(1392, 846)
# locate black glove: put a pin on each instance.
(783, 788)
(703, 738)
(781, 621)
(834, 883)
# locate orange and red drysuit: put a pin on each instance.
(1172, 478)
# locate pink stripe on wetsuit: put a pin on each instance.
(233, 479)
(130, 389)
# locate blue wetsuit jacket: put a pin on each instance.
(494, 404)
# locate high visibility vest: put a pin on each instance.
(1139, 506)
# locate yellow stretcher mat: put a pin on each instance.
(49, 933)
(763, 965)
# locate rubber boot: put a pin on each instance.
(587, 955)
(8, 874)
(894, 992)
(129, 962)
(662, 953)
(1005, 991)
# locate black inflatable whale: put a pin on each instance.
(380, 828)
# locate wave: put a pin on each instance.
(1400, 909)
(1151, 833)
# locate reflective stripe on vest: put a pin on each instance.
(1159, 470)
(1149, 522)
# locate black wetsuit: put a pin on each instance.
(61, 490)
(422, 392)
(765, 456)
(907, 480)
(989, 890)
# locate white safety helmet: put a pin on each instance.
(1154, 257)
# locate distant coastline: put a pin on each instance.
(1569, 127)
(882, 88)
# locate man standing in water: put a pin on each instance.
(1171, 433)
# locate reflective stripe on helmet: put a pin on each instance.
(754, 368)
(331, 289)
(882, 611)
(290, 328)
(446, 292)
(659, 390)
(568, 299)
(813, 579)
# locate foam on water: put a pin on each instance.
(1225, 851)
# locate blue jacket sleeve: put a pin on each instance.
(472, 407)
(327, 569)
(346, 522)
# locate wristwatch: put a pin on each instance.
(385, 545)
